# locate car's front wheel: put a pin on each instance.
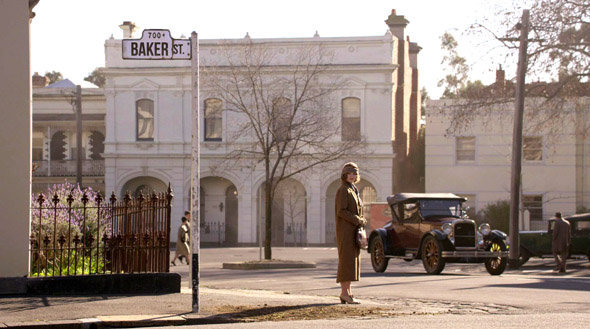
(496, 265)
(432, 255)
(378, 259)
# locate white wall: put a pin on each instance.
(15, 134)
(488, 177)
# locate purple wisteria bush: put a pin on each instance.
(65, 227)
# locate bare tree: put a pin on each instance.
(286, 117)
(558, 53)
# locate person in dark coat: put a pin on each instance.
(349, 215)
(561, 241)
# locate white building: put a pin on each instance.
(475, 161)
(148, 135)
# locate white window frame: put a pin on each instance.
(457, 161)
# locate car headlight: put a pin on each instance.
(447, 228)
(485, 229)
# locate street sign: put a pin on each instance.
(159, 45)
(156, 44)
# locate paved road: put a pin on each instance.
(534, 288)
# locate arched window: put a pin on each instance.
(145, 119)
(96, 145)
(281, 117)
(213, 119)
(351, 119)
(58, 146)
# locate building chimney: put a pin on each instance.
(397, 24)
(128, 29)
(500, 76)
(39, 81)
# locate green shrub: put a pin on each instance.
(497, 214)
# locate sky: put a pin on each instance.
(68, 35)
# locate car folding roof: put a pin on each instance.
(401, 197)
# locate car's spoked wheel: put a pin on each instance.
(496, 265)
(432, 255)
(378, 259)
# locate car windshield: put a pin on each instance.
(447, 208)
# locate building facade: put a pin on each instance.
(54, 135)
(147, 134)
(475, 161)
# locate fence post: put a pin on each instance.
(126, 200)
(169, 197)
(98, 201)
(113, 239)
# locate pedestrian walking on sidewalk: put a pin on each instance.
(349, 216)
(561, 241)
(183, 240)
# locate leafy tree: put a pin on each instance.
(456, 67)
(96, 77)
(496, 214)
(54, 76)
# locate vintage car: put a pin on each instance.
(433, 227)
(538, 243)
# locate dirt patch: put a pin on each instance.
(300, 312)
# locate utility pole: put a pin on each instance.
(79, 154)
(515, 180)
(195, 174)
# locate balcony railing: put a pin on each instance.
(64, 168)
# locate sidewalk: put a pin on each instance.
(218, 306)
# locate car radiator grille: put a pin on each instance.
(464, 235)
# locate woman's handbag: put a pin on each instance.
(360, 237)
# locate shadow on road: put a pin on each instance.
(571, 284)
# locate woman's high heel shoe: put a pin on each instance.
(348, 300)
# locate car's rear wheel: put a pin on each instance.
(378, 259)
(432, 255)
(496, 265)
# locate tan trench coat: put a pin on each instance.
(348, 216)
(183, 248)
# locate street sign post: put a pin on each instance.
(157, 44)
(195, 173)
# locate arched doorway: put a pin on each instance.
(368, 195)
(219, 212)
(289, 214)
(145, 185)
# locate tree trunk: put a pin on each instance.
(267, 219)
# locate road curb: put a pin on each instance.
(267, 265)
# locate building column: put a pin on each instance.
(314, 211)
(15, 132)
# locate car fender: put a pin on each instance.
(497, 235)
(438, 234)
(383, 234)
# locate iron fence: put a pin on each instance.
(295, 234)
(90, 235)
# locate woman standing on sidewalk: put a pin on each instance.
(349, 216)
